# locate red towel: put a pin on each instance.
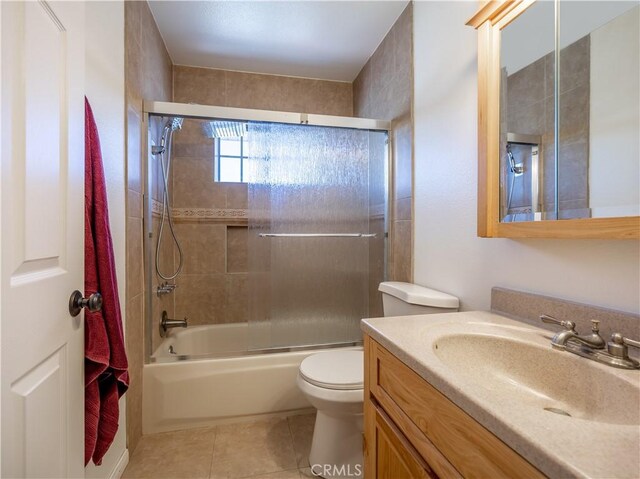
(106, 377)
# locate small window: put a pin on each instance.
(229, 160)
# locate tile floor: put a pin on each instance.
(275, 448)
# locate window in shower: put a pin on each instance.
(230, 156)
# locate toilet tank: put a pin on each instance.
(404, 299)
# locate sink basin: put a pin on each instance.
(533, 375)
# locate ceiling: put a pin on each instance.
(329, 40)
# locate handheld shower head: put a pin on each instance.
(513, 167)
(175, 123)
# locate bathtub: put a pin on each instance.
(204, 375)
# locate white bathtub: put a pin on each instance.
(178, 394)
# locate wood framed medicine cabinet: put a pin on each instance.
(489, 21)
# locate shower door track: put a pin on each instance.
(258, 351)
(190, 110)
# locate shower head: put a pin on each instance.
(175, 123)
(224, 129)
(517, 169)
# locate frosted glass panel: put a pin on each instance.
(311, 180)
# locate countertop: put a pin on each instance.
(559, 446)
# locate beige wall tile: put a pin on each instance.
(267, 92)
(237, 249)
(402, 251)
(237, 195)
(203, 247)
(251, 90)
(134, 204)
(236, 299)
(134, 339)
(199, 85)
(134, 159)
(201, 298)
(194, 185)
(403, 209)
(156, 64)
(362, 90)
(403, 156)
(148, 74)
(134, 257)
(384, 89)
(376, 266)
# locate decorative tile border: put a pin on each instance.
(201, 213)
(208, 213)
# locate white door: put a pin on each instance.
(41, 238)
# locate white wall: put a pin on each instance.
(614, 130)
(448, 255)
(105, 91)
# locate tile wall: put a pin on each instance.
(263, 92)
(384, 89)
(147, 75)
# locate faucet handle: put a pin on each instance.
(618, 339)
(569, 325)
(617, 348)
(595, 326)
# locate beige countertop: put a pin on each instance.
(601, 440)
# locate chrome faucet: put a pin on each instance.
(592, 346)
(165, 288)
(168, 323)
(560, 340)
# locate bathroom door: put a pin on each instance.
(41, 238)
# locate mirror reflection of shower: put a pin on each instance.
(163, 153)
(522, 177)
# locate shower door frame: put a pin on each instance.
(210, 112)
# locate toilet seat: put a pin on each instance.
(340, 370)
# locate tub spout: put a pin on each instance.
(168, 323)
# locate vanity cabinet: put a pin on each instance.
(413, 431)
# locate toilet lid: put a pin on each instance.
(334, 369)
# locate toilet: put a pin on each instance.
(333, 382)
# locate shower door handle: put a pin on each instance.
(317, 235)
(76, 302)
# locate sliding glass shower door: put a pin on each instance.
(317, 203)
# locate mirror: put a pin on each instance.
(592, 107)
(600, 41)
(572, 154)
(527, 115)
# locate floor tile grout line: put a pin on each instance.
(213, 450)
(293, 442)
(268, 473)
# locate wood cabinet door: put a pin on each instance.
(395, 457)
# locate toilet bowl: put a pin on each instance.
(333, 382)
